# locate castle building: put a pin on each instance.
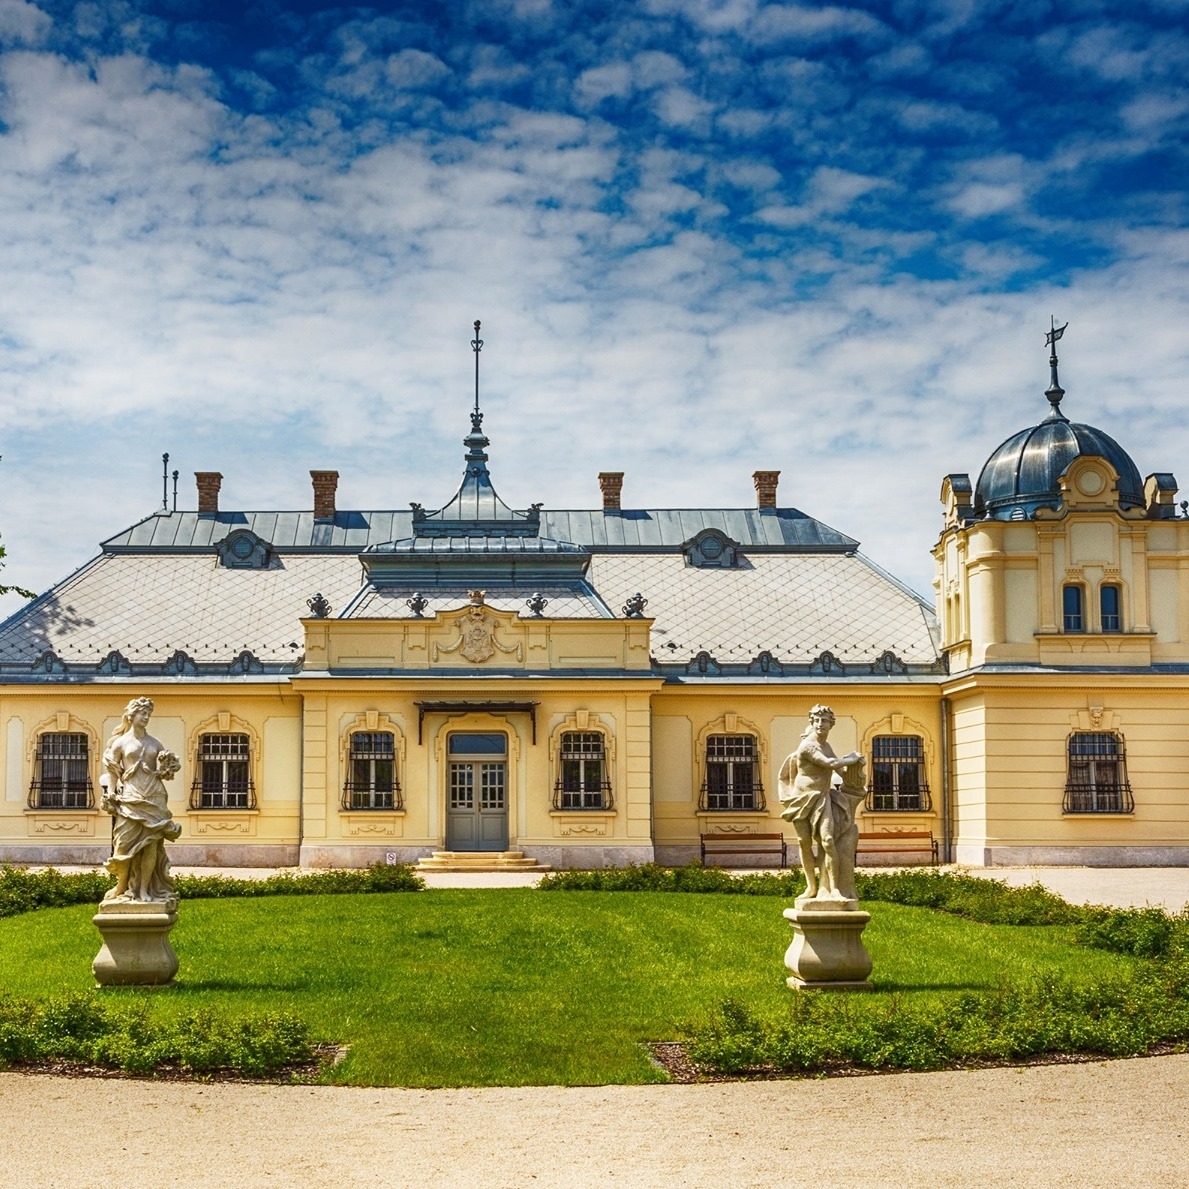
(602, 687)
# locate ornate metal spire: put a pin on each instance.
(1054, 391)
(476, 441)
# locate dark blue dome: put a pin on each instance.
(1024, 473)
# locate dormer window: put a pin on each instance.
(242, 549)
(711, 549)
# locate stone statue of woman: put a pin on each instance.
(823, 811)
(135, 765)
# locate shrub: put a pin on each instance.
(1120, 1017)
(125, 1034)
(22, 890)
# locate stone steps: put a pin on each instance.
(480, 861)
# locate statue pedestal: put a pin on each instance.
(827, 950)
(136, 950)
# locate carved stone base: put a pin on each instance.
(827, 951)
(136, 950)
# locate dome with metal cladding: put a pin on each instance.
(1024, 473)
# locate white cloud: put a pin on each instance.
(22, 23)
(414, 68)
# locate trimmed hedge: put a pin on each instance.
(22, 890)
(124, 1034)
(1130, 1014)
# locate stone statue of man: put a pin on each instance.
(135, 766)
(823, 810)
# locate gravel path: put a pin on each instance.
(1111, 1124)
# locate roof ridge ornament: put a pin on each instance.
(1054, 391)
(476, 440)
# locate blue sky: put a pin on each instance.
(704, 237)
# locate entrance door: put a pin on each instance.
(477, 792)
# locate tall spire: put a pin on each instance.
(475, 441)
(1054, 391)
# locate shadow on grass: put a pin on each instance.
(222, 984)
(897, 988)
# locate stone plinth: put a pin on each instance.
(136, 950)
(827, 951)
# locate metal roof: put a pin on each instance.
(353, 532)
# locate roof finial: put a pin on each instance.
(476, 346)
(1054, 392)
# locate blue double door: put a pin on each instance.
(477, 792)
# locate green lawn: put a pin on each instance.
(516, 987)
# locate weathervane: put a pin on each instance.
(476, 346)
(1054, 392)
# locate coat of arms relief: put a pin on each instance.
(477, 640)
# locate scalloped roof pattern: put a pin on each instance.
(147, 607)
(795, 606)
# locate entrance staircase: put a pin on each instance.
(481, 861)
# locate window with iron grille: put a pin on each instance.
(732, 773)
(897, 781)
(223, 773)
(371, 772)
(1097, 775)
(582, 778)
(61, 772)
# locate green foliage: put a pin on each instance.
(1120, 1016)
(648, 877)
(1140, 932)
(378, 878)
(22, 890)
(124, 1034)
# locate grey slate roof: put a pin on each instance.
(793, 606)
(352, 532)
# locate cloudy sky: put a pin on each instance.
(704, 237)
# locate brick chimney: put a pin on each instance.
(326, 483)
(611, 484)
(765, 482)
(209, 483)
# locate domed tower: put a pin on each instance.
(1043, 560)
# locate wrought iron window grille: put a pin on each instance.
(223, 773)
(897, 782)
(371, 772)
(61, 772)
(582, 780)
(1096, 780)
(732, 775)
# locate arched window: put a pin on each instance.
(582, 774)
(898, 775)
(1108, 607)
(61, 772)
(223, 772)
(371, 772)
(1096, 779)
(732, 774)
(1073, 618)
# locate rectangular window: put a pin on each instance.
(1071, 608)
(732, 774)
(898, 775)
(1108, 600)
(371, 772)
(61, 775)
(1096, 780)
(582, 781)
(223, 773)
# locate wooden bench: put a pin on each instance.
(889, 842)
(771, 845)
